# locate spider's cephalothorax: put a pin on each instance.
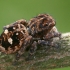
(41, 25)
(43, 28)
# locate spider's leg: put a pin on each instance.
(51, 40)
(24, 45)
(33, 48)
(32, 51)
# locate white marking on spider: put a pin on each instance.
(6, 31)
(27, 28)
(14, 28)
(16, 33)
(10, 40)
(22, 32)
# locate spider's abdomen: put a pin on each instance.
(13, 37)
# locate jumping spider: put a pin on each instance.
(21, 34)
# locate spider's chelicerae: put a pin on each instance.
(20, 35)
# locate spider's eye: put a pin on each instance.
(46, 24)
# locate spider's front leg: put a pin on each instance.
(33, 48)
(52, 34)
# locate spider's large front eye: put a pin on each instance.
(46, 24)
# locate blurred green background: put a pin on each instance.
(12, 10)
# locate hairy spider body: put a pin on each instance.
(20, 35)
